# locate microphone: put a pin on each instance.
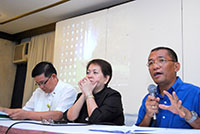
(152, 91)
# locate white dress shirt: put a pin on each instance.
(60, 99)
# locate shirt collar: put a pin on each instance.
(56, 89)
(100, 91)
(174, 87)
(177, 84)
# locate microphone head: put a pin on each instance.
(152, 89)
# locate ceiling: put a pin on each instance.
(12, 8)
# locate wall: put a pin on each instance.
(133, 30)
(191, 41)
(124, 35)
(7, 72)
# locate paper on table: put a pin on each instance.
(123, 130)
(3, 115)
(109, 129)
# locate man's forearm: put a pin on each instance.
(53, 115)
(196, 124)
(5, 110)
(188, 115)
(146, 121)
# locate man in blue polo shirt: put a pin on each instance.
(176, 104)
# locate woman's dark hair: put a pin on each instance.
(44, 67)
(171, 52)
(105, 68)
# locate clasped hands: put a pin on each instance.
(152, 105)
(86, 86)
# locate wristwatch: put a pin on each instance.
(194, 117)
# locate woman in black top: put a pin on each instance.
(97, 104)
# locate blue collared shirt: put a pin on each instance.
(187, 93)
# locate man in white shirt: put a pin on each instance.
(50, 100)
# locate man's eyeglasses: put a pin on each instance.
(159, 62)
(43, 83)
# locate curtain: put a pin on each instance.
(7, 72)
(41, 49)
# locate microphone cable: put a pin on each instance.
(36, 123)
(21, 123)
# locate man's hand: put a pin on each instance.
(18, 114)
(176, 104)
(152, 105)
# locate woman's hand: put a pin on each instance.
(86, 86)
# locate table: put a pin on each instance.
(28, 126)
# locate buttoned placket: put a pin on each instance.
(164, 100)
(50, 99)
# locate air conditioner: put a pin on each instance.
(21, 52)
